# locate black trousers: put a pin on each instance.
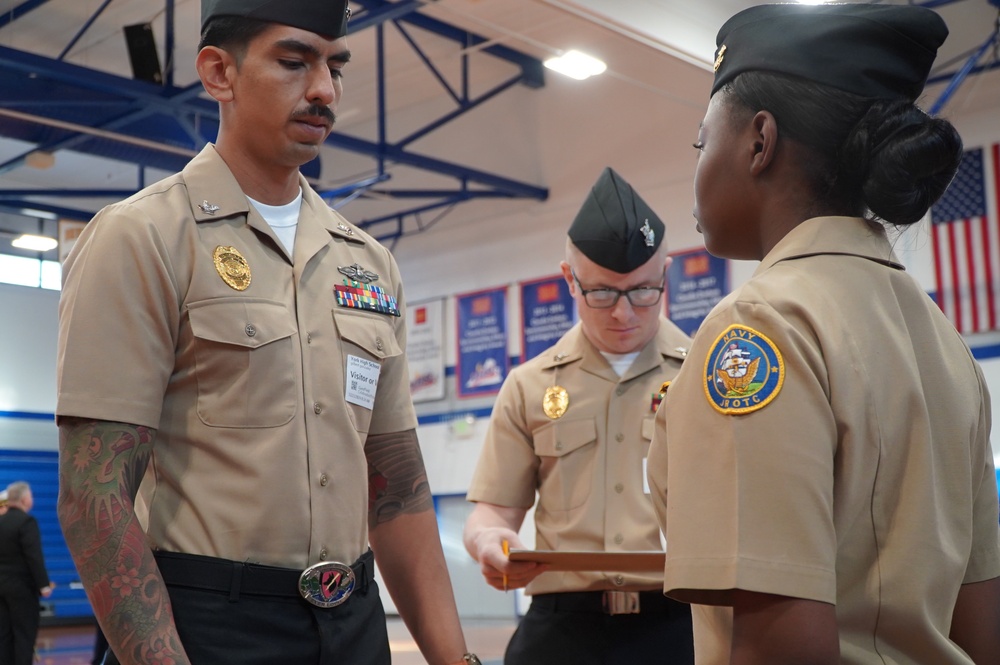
(239, 627)
(19, 619)
(573, 628)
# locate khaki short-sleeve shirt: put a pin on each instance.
(586, 464)
(180, 311)
(852, 467)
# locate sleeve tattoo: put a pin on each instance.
(397, 479)
(100, 467)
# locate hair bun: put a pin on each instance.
(902, 159)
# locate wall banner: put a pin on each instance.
(425, 349)
(482, 342)
(696, 281)
(546, 313)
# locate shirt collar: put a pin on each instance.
(833, 235)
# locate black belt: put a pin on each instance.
(610, 602)
(325, 584)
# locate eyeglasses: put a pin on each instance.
(641, 296)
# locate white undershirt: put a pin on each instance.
(620, 362)
(283, 219)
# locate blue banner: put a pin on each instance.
(482, 342)
(546, 313)
(696, 281)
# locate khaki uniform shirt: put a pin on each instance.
(587, 465)
(854, 469)
(259, 453)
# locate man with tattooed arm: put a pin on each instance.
(233, 345)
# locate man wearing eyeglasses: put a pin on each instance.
(574, 424)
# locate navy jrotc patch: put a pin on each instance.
(743, 371)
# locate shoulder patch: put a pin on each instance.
(743, 371)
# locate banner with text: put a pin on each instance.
(546, 313)
(425, 349)
(482, 342)
(696, 281)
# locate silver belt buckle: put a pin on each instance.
(327, 584)
(621, 602)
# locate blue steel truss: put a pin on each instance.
(56, 105)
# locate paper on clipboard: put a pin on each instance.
(621, 562)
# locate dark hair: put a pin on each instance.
(886, 157)
(232, 33)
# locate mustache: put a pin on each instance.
(316, 111)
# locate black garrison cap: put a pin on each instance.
(324, 17)
(615, 228)
(875, 51)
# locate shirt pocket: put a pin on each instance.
(244, 362)
(567, 450)
(646, 433)
(370, 337)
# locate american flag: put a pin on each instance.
(966, 238)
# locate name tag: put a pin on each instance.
(362, 381)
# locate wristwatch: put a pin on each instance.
(472, 659)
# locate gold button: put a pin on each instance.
(378, 343)
(618, 539)
(619, 580)
(317, 409)
(619, 437)
(619, 488)
(322, 554)
(323, 480)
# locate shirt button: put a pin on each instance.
(322, 554)
(619, 488)
(309, 338)
(558, 445)
(618, 539)
(619, 580)
(620, 390)
(619, 437)
(324, 480)
(378, 343)
(250, 330)
(317, 409)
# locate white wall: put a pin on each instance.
(28, 330)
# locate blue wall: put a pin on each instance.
(40, 470)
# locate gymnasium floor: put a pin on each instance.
(73, 645)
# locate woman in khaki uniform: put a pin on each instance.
(821, 465)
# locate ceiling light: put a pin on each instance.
(40, 214)
(34, 243)
(812, 2)
(576, 65)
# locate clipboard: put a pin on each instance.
(620, 562)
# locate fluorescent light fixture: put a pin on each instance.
(40, 214)
(813, 2)
(35, 243)
(577, 65)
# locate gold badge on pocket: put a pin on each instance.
(555, 402)
(232, 267)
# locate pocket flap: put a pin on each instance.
(563, 437)
(241, 321)
(372, 333)
(647, 428)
